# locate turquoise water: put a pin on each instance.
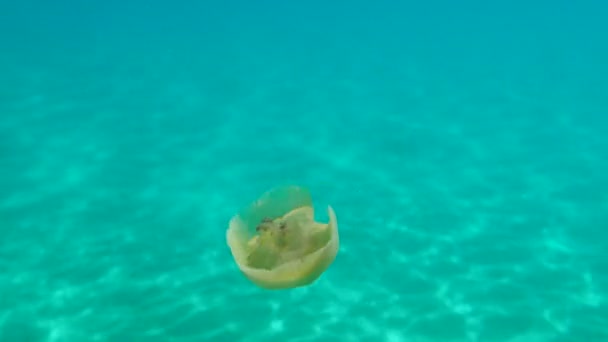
(463, 147)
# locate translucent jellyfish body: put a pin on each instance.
(276, 242)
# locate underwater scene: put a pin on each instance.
(395, 171)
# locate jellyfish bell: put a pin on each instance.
(276, 242)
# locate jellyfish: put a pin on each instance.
(276, 242)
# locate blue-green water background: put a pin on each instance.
(463, 145)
